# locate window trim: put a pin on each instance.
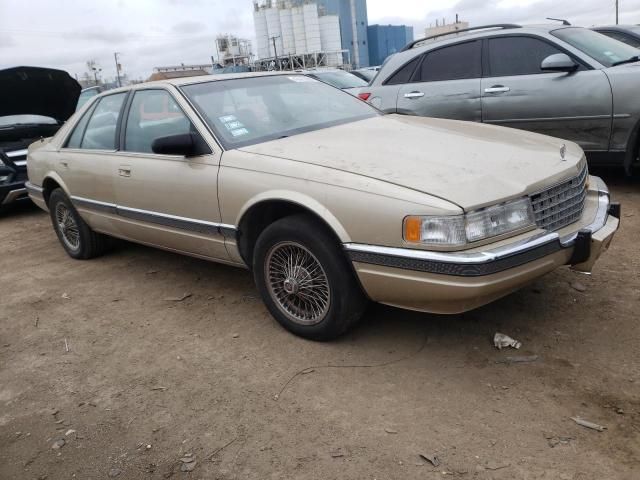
(486, 47)
(422, 55)
(418, 68)
(125, 120)
(91, 106)
(90, 110)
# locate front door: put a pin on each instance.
(446, 84)
(517, 93)
(170, 201)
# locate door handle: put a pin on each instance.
(497, 89)
(124, 171)
(414, 95)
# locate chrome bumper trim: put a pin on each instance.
(34, 190)
(14, 195)
(17, 153)
(473, 264)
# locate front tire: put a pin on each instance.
(76, 237)
(305, 279)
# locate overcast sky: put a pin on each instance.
(66, 33)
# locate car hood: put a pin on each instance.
(38, 91)
(469, 164)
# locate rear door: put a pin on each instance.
(168, 201)
(516, 93)
(87, 160)
(445, 84)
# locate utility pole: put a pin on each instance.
(616, 12)
(275, 52)
(115, 57)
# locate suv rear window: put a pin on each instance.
(518, 55)
(404, 74)
(456, 62)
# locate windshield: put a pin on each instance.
(12, 120)
(605, 50)
(340, 79)
(246, 111)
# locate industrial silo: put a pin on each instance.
(274, 31)
(330, 39)
(262, 36)
(286, 25)
(312, 27)
(299, 37)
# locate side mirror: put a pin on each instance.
(558, 62)
(182, 144)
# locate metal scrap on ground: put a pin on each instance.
(588, 424)
(500, 340)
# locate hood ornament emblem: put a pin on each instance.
(563, 152)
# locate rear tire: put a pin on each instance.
(305, 280)
(76, 237)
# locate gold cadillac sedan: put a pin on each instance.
(327, 201)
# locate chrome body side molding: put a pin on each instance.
(172, 221)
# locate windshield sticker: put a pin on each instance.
(301, 79)
(227, 118)
(233, 125)
(239, 132)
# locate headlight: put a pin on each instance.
(458, 230)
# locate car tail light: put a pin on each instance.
(364, 96)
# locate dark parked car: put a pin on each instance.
(629, 34)
(34, 103)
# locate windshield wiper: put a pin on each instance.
(635, 58)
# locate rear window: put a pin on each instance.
(403, 75)
(457, 62)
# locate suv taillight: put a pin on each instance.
(364, 96)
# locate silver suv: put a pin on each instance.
(563, 81)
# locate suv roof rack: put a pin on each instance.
(410, 45)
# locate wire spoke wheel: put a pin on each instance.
(67, 227)
(298, 283)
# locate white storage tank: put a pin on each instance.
(274, 30)
(286, 25)
(312, 27)
(299, 37)
(262, 36)
(330, 39)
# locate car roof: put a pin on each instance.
(201, 79)
(396, 60)
(481, 32)
(622, 28)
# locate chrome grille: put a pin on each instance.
(561, 204)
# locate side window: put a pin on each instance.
(75, 139)
(100, 133)
(153, 114)
(518, 55)
(623, 37)
(404, 74)
(457, 62)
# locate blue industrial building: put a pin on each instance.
(353, 27)
(385, 40)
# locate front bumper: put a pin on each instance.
(454, 282)
(13, 174)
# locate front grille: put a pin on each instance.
(561, 204)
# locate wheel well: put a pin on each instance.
(263, 214)
(48, 186)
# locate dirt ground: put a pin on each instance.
(147, 379)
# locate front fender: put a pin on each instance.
(298, 198)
